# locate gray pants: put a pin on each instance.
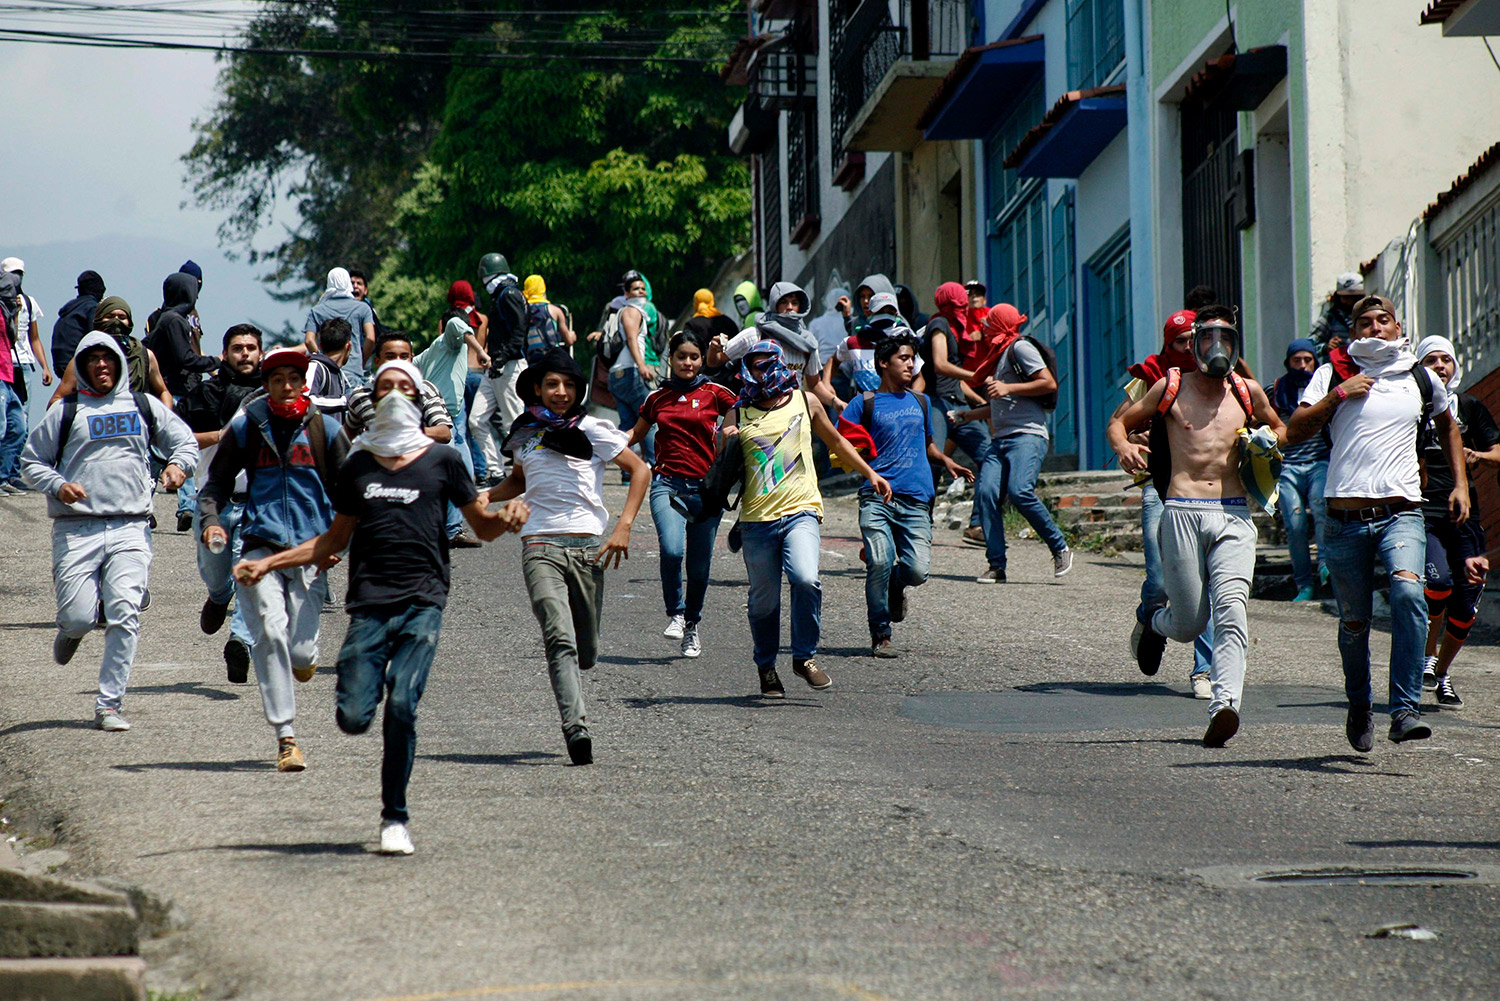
(1208, 558)
(103, 560)
(567, 589)
(282, 614)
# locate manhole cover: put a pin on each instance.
(1362, 877)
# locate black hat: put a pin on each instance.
(528, 386)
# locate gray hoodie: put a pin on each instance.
(107, 452)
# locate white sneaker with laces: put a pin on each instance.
(690, 645)
(111, 720)
(1203, 688)
(675, 625)
(1429, 674)
(1062, 562)
(394, 839)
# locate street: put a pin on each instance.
(1007, 810)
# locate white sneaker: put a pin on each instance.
(690, 645)
(1062, 562)
(394, 839)
(1203, 688)
(675, 625)
(111, 720)
(1429, 674)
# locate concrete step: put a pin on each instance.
(32, 929)
(1083, 478)
(116, 978)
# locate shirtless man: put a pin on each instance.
(1207, 537)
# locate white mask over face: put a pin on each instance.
(1378, 358)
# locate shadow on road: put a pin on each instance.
(637, 661)
(181, 688)
(519, 758)
(296, 848)
(8, 626)
(246, 765)
(1322, 764)
(1186, 741)
(745, 701)
(49, 724)
(1485, 845)
(1102, 688)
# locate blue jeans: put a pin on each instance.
(678, 538)
(12, 430)
(630, 395)
(388, 651)
(1300, 500)
(217, 569)
(459, 444)
(787, 545)
(1356, 552)
(1009, 472)
(898, 541)
(973, 437)
(1154, 592)
(476, 454)
(187, 496)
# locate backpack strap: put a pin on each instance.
(1169, 395)
(69, 413)
(1424, 386)
(143, 404)
(867, 412)
(317, 440)
(1242, 393)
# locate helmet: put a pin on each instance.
(1216, 348)
(491, 265)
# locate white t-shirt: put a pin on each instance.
(859, 362)
(566, 495)
(1375, 437)
(28, 314)
(801, 362)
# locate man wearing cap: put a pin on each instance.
(91, 457)
(1334, 325)
(290, 453)
(25, 354)
(76, 318)
(1380, 407)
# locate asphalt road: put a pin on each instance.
(1008, 810)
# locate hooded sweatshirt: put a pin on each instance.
(829, 328)
(877, 284)
(750, 293)
(75, 319)
(798, 346)
(107, 452)
(171, 339)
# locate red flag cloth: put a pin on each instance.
(1002, 325)
(856, 435)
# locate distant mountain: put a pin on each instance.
(134, 267)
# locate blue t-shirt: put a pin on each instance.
(901, 430)
(358, 313)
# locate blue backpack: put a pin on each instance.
(542, 333)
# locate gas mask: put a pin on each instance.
(1216, 348)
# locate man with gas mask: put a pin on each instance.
(1207, 538)
(1381, 407)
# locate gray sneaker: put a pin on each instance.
(1062, 562)
(691, 647)
(64, 647)
(111, 720)
(994, 575)
(7, 489)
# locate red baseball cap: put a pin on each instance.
(1178, 324)
(282, 357)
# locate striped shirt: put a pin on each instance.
(362, 409)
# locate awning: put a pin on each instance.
(1077, 129)
(1238, 81)
(980, 89)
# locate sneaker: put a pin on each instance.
(1203, 687)
(289, 756)
(770, 685)
(463, 540)
(1429, 674)
(690, 645)
(897, 598)
(65, 646)
(211, 617)
(1359, 727)
(809, 671)
(1407, 725)
(7, 489)
(881, 647)
(973, 536)
(19, 486)
(581, 749)
(1062, 562)
(184, 520)
(237, 661)
(1146, 646)
(305, 674)
(1446, 696)
(394, 838)
(993, 575)
(675, 625)
(1224, 724)
(111, 720)
(145, 598)
(1306, 593)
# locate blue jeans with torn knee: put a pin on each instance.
(388, 651)
(1300, 502)
(1363, 555)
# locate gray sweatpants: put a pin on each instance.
(103, 560)
(282, 614)
(1208, 558)
(567, 590)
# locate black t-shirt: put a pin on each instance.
(1479, 433)
(940, 386)
(399, 553)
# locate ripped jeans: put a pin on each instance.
(1362, 556)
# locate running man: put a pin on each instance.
(91, 456)
(391, 501)
(1207, 537)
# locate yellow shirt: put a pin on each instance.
(779, 476)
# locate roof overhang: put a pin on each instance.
(1238, 81)
(1072, 135)
(981, 88)
(1464, 17)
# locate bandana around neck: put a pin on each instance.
(559, 432)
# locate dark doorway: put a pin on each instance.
(1210, 240)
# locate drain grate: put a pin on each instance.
(1364, 877)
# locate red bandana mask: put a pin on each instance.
(295, 410)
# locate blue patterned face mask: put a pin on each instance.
(765, 380)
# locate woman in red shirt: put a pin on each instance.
(685, 411)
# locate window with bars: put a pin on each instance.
(1096, 42)
(768, 175)
(1017, 215)
(1469, 261)
(803, 190)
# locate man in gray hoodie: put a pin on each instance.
(786, 324)
(91, 456)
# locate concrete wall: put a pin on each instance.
(936, 240)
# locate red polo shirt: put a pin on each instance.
(685, 424)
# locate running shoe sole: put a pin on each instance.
(1224, 724)
(1147, 646)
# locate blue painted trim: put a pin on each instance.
(1018, 25)
(998, 78)
(1076, 139)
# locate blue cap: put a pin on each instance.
(1302, 344)
(191, 267)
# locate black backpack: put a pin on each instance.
(726, 473)
(542, 333)
(1049, 358)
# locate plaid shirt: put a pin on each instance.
(362, 409)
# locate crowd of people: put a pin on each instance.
(384, 449)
